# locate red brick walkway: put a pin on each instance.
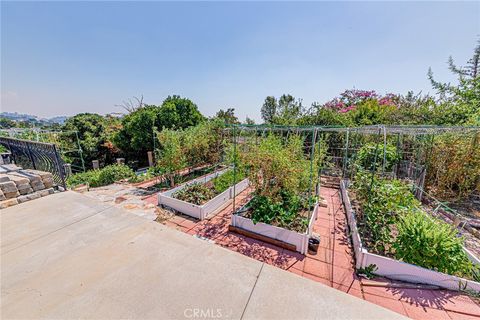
(333, 264)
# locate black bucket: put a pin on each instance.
(313, 244)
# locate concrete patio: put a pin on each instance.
(70, 256)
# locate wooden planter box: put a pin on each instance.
(399, 270)
(299, 240)
(200, 212)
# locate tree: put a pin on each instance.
(249, 121)
(228, 116)
(269, 109)
(187, 111)
(460, 103)
(289, 110)
(136, 137)
(131, 105)
(285, 111)
(94, 137)
(6, 123)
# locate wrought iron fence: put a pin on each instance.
(37, 155)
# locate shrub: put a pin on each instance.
(431, 243)
(203, 143)
(91, 177)
(193, 146)
(367, 159)
(101, 177)
(170, 157)
(454, 166)
(276, 166)
(115, 172)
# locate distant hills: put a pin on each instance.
(22, 117)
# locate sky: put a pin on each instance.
(63, 58)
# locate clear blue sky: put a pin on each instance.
(62, 58)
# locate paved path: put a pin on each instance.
(69, 256)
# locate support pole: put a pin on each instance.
(234, 167)
(345, 155)
(312, 157)
(384, 149)
(150, 158)
(80, 151)
(374, 166)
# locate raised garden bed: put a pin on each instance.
(294, 240)
(395, 269)
(200, 211)
(181, 176)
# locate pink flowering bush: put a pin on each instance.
(349, 100)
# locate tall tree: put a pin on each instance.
(269, 109)
(289, 110)
(186, 110)
(227, 116)
(460, 103)
(249, 120)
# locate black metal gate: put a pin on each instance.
(37, 155)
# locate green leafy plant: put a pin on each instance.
(101, 177)
(291, 211)
(170, 156)
(113, 173)
(280, 170)
(431, 243)
(196, 193)
(476, 273)
(199, 193)
(90, 177)
(226, 180)
(368, 272)
(275, 166)
(191, 147)
(454, 166)
(203, 143)
(392, 222)
(371, 156)
(382, 203)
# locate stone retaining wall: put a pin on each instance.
(24, 185)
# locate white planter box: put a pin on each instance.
(395, 269)
(299, 240)
(200, 211)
